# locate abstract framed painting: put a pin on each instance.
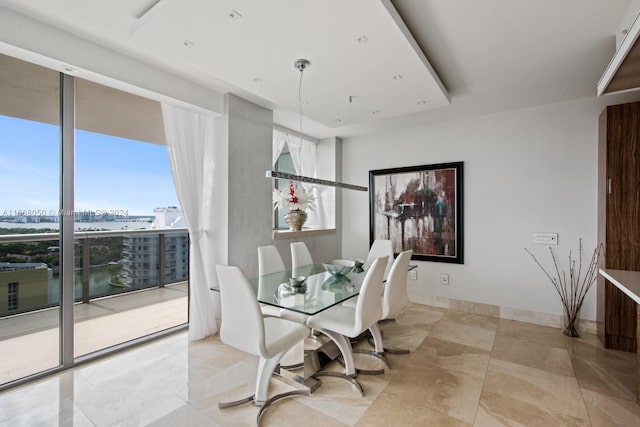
(419, 208)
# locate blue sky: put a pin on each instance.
(111, 173)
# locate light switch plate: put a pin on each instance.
(545, 238)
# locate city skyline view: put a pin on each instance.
(113, 174)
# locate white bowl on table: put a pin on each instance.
(339, 267)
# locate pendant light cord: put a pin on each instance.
(300, 102)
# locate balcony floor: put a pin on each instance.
(29, 342)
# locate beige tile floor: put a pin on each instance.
(464, 369)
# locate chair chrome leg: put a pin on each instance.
(397, 351)
(314, 335)
(277, 397)
(367, 371)
(350, 378)
(225, 405)
(390, 350)
(374, 354)
(372, 343)
(365, 334)
(294, 366)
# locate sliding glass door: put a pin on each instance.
(131, 270)
(29, 231)
(93, 246)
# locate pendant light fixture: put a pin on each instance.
(300, 65)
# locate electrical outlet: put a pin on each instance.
(413, 275)
(444, 279)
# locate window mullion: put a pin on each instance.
(67, 243)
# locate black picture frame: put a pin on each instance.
(419, 208)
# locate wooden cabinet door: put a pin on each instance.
(622, 242)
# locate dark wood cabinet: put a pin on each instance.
(618, 220)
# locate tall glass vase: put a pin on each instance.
(571, 323)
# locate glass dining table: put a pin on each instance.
(319, 291)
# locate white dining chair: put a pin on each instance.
(394, 299)
(269, 262)
(395, 296)
(300, 257)
(340, 322)
(380, 247)
(244, 327)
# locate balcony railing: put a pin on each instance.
(103, 266)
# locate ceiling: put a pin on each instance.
(422, 61)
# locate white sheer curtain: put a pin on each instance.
(279, 142)
(190, 144)
(325, 205)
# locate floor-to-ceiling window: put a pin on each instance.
(120, 265)
(294, 154)
(124, 184)
(29, 205)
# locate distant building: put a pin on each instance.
(141, 264)
(24, 286)
(170, 217)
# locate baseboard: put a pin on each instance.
(544, 319)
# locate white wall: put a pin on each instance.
(525, 171)
(250, 134)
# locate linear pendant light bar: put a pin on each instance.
(284, 175)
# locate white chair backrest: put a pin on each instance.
(269, 260)
(241, 325)
(395, 296)
(380, 247)
(369, 305)
(300, 256)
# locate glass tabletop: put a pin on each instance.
(319, 291)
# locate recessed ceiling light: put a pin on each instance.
(188, 43)
(69, 70)
(397, 77)
(422, 102)
(375, 112)
(257, 80)
(362, 39)
(234, 15)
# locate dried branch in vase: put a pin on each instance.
(574, 288)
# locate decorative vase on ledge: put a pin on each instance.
(296, 219)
